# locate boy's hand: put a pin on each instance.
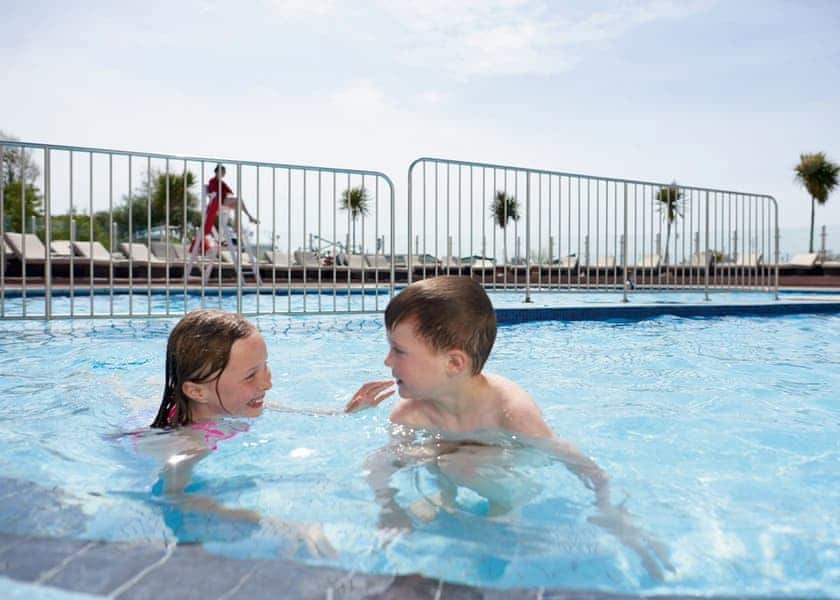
(370, 394)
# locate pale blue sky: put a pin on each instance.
(720, 94)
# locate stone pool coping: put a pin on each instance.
(138, 570)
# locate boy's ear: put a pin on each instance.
(193, 391)
(458, 362)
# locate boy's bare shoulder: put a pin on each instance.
(519, 411)
(409, 412)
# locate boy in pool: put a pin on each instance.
(216, 366)
(440, 332)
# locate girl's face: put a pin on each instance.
(241, 387)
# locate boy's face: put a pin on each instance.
(419, 370)
(242, 384)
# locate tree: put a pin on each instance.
(19, 173)
(153, 193)
(505, 208)
(670, 198)
(819, 176)
(355, 200)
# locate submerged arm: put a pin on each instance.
(177, 474)
(613, 518)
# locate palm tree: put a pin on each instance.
(819, 176)
(356, 201)
(669, 198)
(504, 208)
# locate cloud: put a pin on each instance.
(481, 38)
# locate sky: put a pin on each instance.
(723, 94)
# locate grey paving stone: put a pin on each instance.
(191, 572)
(517, 594)
(359, 586)
(410, 587)
(104, 567)
(27, 559)
(284, 579)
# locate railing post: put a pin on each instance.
(527, 237)
(408, 220)
(707, 259)
(48, 236)
(776, 223)
(624, 272)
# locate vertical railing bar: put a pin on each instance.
(527, 237)
(320, 275)
(376, 244)
(448, 236)
(484, 230)
(47, 229)
(200, 239)
(289, 255)
(148, 235)
(437, 219)
(335, 240)
(472, 230)
(130, 230)
(90, 231)
(303, 239)
(255, 258)
(184, 222)
(72, 231)
(624, 249)
(166, 238)
(275, 247)
(362, 254)
(350, 247)
(240, 243)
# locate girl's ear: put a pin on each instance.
(193, 391)
(457, 363)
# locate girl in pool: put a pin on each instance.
(216, 366)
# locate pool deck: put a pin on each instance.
(46, 567)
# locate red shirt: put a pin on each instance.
(213, 207)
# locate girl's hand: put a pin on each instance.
(370, 394)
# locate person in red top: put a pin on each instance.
(228, 201)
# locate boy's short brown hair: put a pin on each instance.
(449, 313)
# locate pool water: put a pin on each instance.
(721, 437)
(155, 302)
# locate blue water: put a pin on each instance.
(721, 437)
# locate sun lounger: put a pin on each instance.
(29, 249)
(378, 261)
(177, 253)
(750, 260)
(807, 260)
(651, 261)
(63, 248)
(604, 262)
(144, 263)
(94, 252)
(278, 259)
(701, 259)
(307, 259)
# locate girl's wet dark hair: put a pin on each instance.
(198, 350)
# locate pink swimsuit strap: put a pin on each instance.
(212, 433)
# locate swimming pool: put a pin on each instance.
(720, 435)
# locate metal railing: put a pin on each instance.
(80, 228)
(537, 230)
